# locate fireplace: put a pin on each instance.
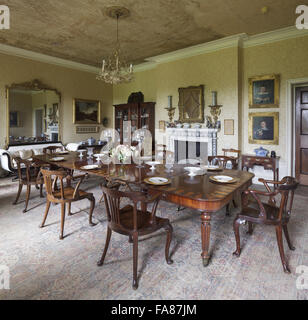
(191, 143)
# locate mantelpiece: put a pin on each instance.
(202, 138)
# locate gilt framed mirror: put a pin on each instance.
(32, 113)
(191, 104)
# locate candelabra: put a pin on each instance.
(215, 112)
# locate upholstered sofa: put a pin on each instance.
(25, 151)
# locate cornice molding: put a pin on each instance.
(224, 43)
(239, 40)
(274, 36)
(31, 55)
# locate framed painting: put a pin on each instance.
(162, 126)
(86, 111)
(229, 127)
(191, 104)
(263, 128)
(14, 118)
(264, 91)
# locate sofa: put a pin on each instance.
(24, 151)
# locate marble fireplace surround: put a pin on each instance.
(202, 135)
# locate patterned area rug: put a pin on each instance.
(44, 267)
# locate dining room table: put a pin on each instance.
(199, 192)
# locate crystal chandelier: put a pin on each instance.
(114, 69)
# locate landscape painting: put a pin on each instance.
(86, 111)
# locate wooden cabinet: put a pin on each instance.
(141, 115)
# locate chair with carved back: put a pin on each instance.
(236, 154)
(268, 213)
(28, 175)
(225, 163)
(134, 222)
(52, 149)
(64, 195)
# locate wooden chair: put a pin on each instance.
(236, 155)
(133, 222)
(28, 175)
(51, 149)
(65, 194)
(223, 161)
(268, 213)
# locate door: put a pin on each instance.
(38, 122)
(301, 132)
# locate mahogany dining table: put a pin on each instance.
(196, 192)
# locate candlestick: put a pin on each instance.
(214, 98)
(169, 101)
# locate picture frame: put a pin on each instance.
(263, 128)
(229, 127)
(14, 119)
(86, 111)
(191, 104)
(162, 126)
(264, 91)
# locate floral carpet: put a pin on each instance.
(44, 267)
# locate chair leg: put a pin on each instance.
(27, 197)
(286, 233)
(62, 220)
(250, 228)
(101, 261)
(135, 260)
(41, 191)
(169, 230)
(280, 247)
(236, 228)
(18, 193)
(46, 214)
(92, 199)
(69, 209)
(130, 239)
(228, 210)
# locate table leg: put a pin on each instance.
(205, 237)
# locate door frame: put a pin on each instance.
(292, 84)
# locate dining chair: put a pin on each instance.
(224, 161)
(235, 155)
(134, 222)
(268, 213)
(51, 149)
(28, 175)
(64, 195)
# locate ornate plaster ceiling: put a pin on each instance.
(79, 31)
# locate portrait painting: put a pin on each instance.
(263, 128)
(14, 119)
(264, 91)
(86, 111)
(191, 104)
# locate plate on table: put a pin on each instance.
(212, 168)
(223, 179)
(157, 181)
(57, 159)
(89, 167)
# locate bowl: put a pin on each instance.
(152, 164)
(192, 170)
